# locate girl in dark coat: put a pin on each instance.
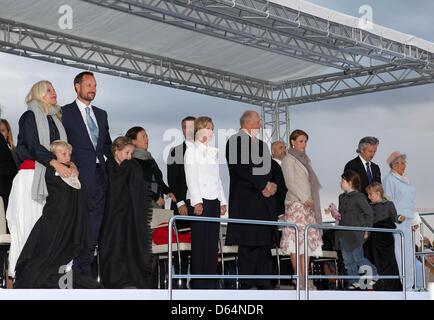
(381, 245)
(125, 243)
(60, 235)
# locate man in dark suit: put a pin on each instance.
(368, 171)
(251, 194)
(88, 132)
(8, 170)
(175, 170)
(278, 152)
(178, 185)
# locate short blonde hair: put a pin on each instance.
(60, 144)
(375, 187)
(201, 123)
(37, 93)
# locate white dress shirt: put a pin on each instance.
(278, 161)
(364, 164)
(202, 174)
(82, 107)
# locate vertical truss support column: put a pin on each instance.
(275, 123)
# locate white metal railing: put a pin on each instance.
(346, 228)
(238, 221)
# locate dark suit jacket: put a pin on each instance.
(357, 165)
(245, 190)
(7, 163)
(176, 174)
(84, 154)
(279, 179)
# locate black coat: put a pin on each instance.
(59, 236)
(248, 177)
(380, 247)
(8, 170)
(356, 212)
(28, 145)
(152, 174)
(125, 242)
(357, 165)
(279, 179)
(176, 174)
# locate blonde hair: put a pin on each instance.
(37, 93)
(120, 143)
(60, 144)
(201, 123)
(9, 138)
(375, 187)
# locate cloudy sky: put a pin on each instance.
(402, 120)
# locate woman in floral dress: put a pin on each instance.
(302, 203)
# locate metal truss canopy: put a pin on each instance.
(362, 61)
(276, 28)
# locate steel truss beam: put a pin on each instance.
(208, 18)
(278, 29)
(353, 82)
(37, 43)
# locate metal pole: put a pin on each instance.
(403, 275)
(422, 231)
(169, 262)
(297, 263)
(413, 258)
(306, 261)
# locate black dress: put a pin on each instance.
(60, 235)
(380, 247)
(125, 242)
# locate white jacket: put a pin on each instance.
(202, 174)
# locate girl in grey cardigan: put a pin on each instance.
(355, 212)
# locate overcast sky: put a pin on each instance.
(402, 119)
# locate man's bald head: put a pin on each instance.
(278, 150)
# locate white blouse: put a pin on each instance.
(202, 174)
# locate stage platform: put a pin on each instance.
(131, 294)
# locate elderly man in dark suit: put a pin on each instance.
(251, 196)
(368, 171)
(88, 132)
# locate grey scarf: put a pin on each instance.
(39, 187)
(313, 179)
(142, 154)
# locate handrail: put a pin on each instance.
(347, 228)
(239, 221)
(423, 223)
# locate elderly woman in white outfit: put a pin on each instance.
(398, 188)
(206, 195)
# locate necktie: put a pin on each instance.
(369, 173)
(93, 128)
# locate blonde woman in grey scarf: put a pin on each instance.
(38, 127)
(302, 203)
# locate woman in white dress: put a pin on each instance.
(39, 126)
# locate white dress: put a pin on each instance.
(21, 215)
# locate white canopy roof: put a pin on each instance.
(133, 32)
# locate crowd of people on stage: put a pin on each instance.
(72, 194)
